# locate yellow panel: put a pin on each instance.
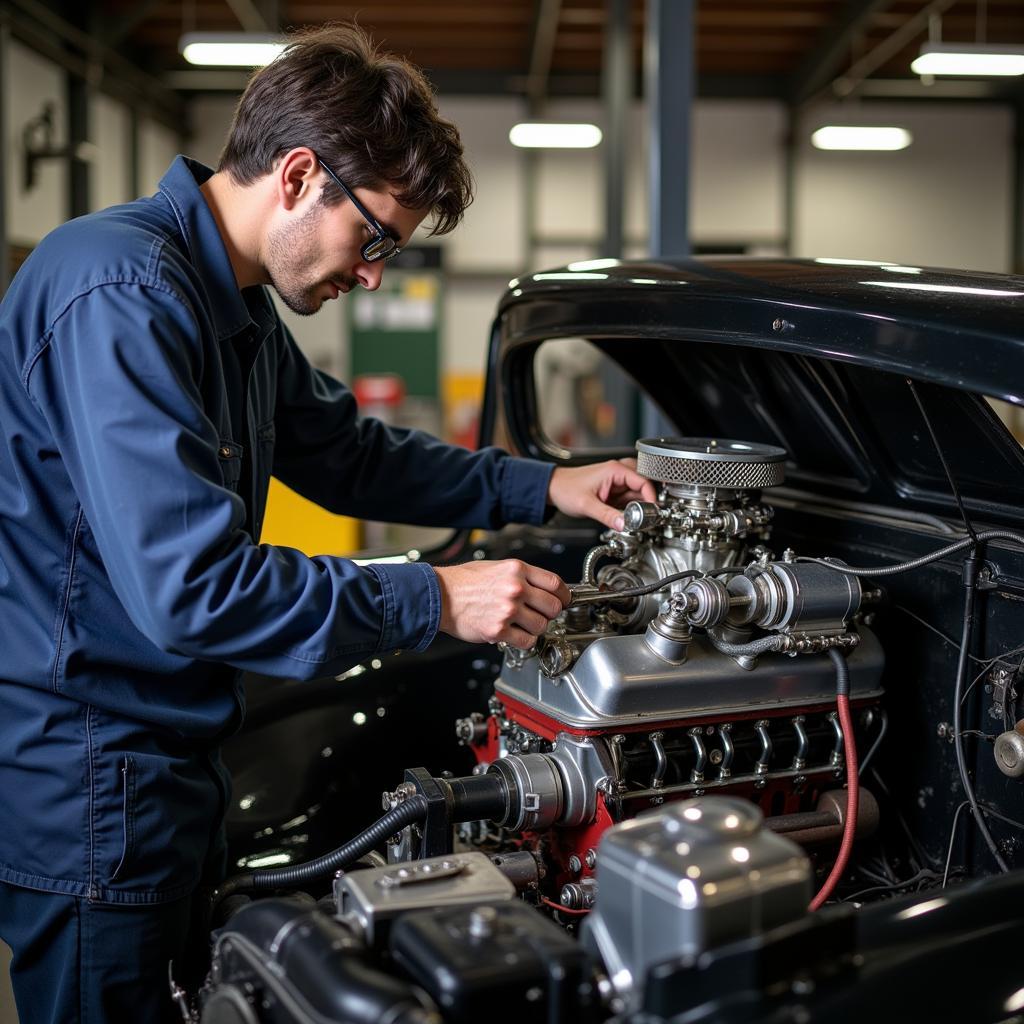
(293, 521)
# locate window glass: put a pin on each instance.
(1012, 417)
(584, 399)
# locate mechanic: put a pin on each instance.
(147, 391)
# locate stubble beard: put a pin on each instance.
(289, 262)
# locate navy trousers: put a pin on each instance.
(77, 962)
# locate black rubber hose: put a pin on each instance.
(970, 579)
(842, 673)
(406, 813)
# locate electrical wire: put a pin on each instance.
(987, 664)
(945, 462)
(878, 740)
(919, 852)
(945, 637)
(958, 744)
(560, 908)
(985, 809)
(924, 875)
(652, 588)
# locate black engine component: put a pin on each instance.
(503, 964)
(285, 962)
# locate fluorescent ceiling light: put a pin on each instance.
(555, 136)
(973, 59)
(230, 49)
(863, 137)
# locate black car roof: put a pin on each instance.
(964, 329)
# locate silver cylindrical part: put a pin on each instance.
(535, 788)
(784, 596)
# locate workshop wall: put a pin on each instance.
(946, 200)
(30, 82)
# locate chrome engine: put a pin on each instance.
(684, 667)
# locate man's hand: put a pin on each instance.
(484, 602)
(599, 491)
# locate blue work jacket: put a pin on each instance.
(144, 402)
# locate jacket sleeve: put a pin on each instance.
(359, 466)
(116, 378)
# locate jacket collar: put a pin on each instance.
(229, 308)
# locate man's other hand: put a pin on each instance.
(484, 602)
(600, 490)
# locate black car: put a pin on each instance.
(769, 765)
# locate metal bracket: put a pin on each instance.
(1002, 682)
(437, 828)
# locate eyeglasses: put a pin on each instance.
(382, 245)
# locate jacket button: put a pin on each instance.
(225, 452)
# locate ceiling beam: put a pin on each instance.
(115, 30)
(542, 48)
(251, 17)
(504, 83)
(831, 50)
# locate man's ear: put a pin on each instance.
(295, 177)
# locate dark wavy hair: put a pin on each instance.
(370, 115)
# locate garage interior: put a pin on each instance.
(706, 110)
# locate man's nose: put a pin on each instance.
(369, 274)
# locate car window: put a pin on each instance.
(1012, 417)
(586, 401)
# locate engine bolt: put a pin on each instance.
(591, 858)
(575, 864)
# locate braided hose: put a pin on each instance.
(852, 780)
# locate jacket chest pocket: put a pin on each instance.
(229, 455)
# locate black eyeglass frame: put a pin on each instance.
(382, 246)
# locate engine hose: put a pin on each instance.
(408, 812)
(852, 784)
(594, 555)
(751, 649)
(891, 570)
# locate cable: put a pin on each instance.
(651, 588)
(925, 874)
(916, 563)
(945, 463)
(920, 853)
(852, 783)
(945, 637)
(878, 740)
(970, 578)
(952, 837)
(560, 908)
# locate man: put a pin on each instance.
(147, 390)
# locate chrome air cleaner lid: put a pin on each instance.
(711, 462)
